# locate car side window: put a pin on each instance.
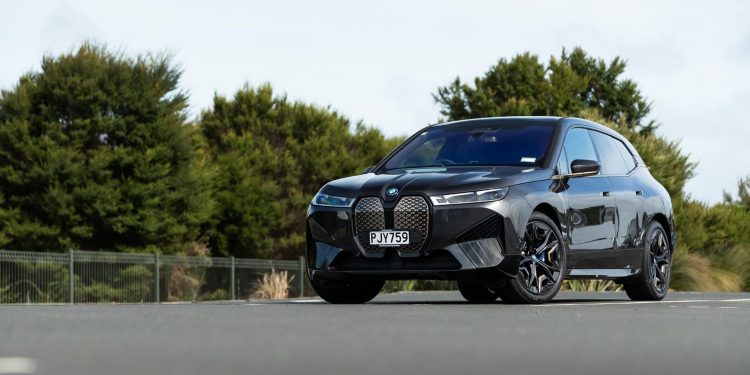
(563, 166)
(626, 155)
(578, 146)
(614, 164)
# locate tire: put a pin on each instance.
(475, 292)
(348, 291)
(652, 283)
(542, 268)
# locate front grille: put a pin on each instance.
(368, 216)
(413, 214)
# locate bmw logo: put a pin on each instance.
(392, 191)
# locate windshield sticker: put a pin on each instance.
(527, 159)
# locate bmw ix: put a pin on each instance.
(508, 207)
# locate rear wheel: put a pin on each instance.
(347, 291)
(475, 292)
(540, 273)
(653, 281)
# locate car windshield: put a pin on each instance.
(523, 144)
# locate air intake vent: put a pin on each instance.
(489, 228)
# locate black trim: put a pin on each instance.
(437, 260)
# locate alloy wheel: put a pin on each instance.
(659, 261)
(539, 270)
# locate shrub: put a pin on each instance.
(273, 285)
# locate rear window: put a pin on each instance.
(626, 155)
(477, 144)
(614, 163)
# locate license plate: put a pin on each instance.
(389, 238)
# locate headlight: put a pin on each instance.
(331, 201)
(470, 197)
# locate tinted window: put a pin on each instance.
(626, 155)
(614, 164)
(476, 144)
(578, 145)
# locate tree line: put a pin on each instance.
(97, 152)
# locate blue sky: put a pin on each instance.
(380, 61)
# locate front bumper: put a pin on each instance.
(472, 241)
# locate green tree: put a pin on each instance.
(743, 194)
(95, 153)
(525, 86)
(6, 216)
(273, 155)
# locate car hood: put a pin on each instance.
(433, 181)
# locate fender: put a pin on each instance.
(538, 196)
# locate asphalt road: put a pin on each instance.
(413, 333)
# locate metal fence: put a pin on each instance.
(100, 277)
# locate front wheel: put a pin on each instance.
(540, 273)
(347, 291)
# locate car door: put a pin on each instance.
(590, 206)
(619, 164)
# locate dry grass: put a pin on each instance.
(273, 285)
(691, 271)
(184, 281)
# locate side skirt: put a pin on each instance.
(601, 273)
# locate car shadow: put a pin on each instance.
(458, 302)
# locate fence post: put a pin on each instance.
(301, 276)
(71, 276)
(156, 281)
(231, 282)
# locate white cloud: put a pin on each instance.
(381, 61)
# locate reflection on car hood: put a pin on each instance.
(432, 181)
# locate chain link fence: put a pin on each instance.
(105, 277)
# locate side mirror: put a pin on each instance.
(580, 168)
(367, 170)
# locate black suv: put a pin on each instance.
(507, 206)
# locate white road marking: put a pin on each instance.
(736, 300)
(277, 302)
(644, 302)
(728, 307)
(17, 365)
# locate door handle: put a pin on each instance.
(639, 192)
(605, 193)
